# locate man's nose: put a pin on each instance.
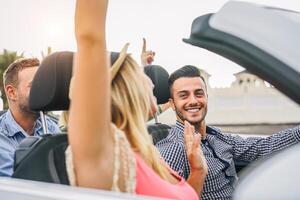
(193, 99)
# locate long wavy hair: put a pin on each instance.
(131, 105)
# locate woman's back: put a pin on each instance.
(99, 96)
(149, 183)
(146, 181)
(139, 177)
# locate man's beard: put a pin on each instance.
(195, 124)
(27, 112)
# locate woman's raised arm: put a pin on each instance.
(90, 117)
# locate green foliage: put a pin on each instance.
(6, 58)
(49, 51)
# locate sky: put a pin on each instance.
(31, 26)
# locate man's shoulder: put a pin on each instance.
(2, 123)
(172, 141)
(51, 125)
(3, 117)
(6, 124)
(6, 144)
(171, 148)
(214, 131)
(168, 142)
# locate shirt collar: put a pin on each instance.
(13, 127)
(179, 126)
(38, 127)
(176, 133)
(212, 130)
(209, 129)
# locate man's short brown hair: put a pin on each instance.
(188, 71)
(10, 75)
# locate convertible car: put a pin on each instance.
(264, 40)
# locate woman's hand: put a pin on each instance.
(90, 134)
(147, 57)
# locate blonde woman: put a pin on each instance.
(110, 146)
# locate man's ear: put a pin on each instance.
(11, 92)
(171, 102)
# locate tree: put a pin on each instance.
(49, 51)
(6, 58)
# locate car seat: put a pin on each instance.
(158, 131)
(43, 158)
(159, 77)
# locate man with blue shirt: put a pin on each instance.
(189, 101)
(19, 121)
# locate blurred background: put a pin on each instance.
(238, 101)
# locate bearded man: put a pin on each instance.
(189, 100)
(19, 121)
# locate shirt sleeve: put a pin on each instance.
(174, 154)
(252, 148)
(6, 157)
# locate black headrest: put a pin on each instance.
(159, 77)
(50, 86)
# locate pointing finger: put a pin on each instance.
(144, 45)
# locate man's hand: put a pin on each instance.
(193, 149)
(147, 57)
(199, 168)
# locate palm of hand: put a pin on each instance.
(193, 149)
(147, 56)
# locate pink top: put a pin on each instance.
(149, 183)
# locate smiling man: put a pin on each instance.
(19, 121)
(189, 101)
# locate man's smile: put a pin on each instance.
(193, 109)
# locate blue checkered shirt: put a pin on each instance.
(221, 150)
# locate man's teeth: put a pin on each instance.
(193, 110)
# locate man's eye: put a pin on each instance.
(199, 94)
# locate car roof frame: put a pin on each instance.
(276, 72)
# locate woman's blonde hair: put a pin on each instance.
(63, 121)
(130, 108)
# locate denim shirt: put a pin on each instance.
(11, 135)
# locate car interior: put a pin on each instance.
(274, 59)
(43, 158)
